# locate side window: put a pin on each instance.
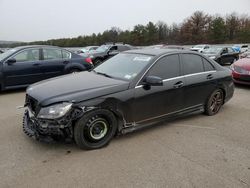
(224, 51)
(66, 55)
(207, 65)
(113, 48)
(27, 55)
(192, 64)
(166, 67)
(50, 54)
(123, 48)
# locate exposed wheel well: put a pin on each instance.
(224, 94)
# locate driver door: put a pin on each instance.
(25, 70)
(157, 101)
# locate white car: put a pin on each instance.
(87, 49)
(200, 48)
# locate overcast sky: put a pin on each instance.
(29, 20)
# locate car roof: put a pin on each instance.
(156, 52)
(35, 46)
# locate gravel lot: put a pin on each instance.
(196, 151)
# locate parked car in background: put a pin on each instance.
(127, 92)
(241, 48)
(176, 47)
(1, 51)
(106, 51)
(157, 46)
(22, 66)
(241, 71)
(87, 49)
(245, 54)
(222, 55)
(200, 48)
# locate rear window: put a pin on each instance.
(207, 65)
(192, 63)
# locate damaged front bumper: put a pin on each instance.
(48, 130)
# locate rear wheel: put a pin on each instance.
(95, 129)
(214, 102)
(74, 71)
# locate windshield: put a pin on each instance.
(7, 53)
(215, 50)
(124, 66)
(103, 48)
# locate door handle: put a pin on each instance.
(178, 84)
(210, 76)
(36, 64)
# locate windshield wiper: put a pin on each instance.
(104, 74)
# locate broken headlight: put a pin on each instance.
(54, 111)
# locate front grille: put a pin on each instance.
(31, 103)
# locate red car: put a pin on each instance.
(241, 71)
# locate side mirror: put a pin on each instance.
(11, 61)
(113, 52)
(153, 81)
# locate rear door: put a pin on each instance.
(157, 101)
(53, 62)
(200, 77)
(26, 70)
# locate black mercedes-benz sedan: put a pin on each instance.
(127, 92)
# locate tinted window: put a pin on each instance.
(27, 55)
(66, 55)
(166, 67)
(113, 48)
(123, 48)
(50, 54)
(207, 65)
(192, 63)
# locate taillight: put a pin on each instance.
(89, 60)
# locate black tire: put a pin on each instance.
(74, 70)
(214, 102)
(95, 129)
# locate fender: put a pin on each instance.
(110, 104)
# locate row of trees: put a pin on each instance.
(198, 28)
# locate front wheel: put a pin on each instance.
(95, 129)
(214, 102)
